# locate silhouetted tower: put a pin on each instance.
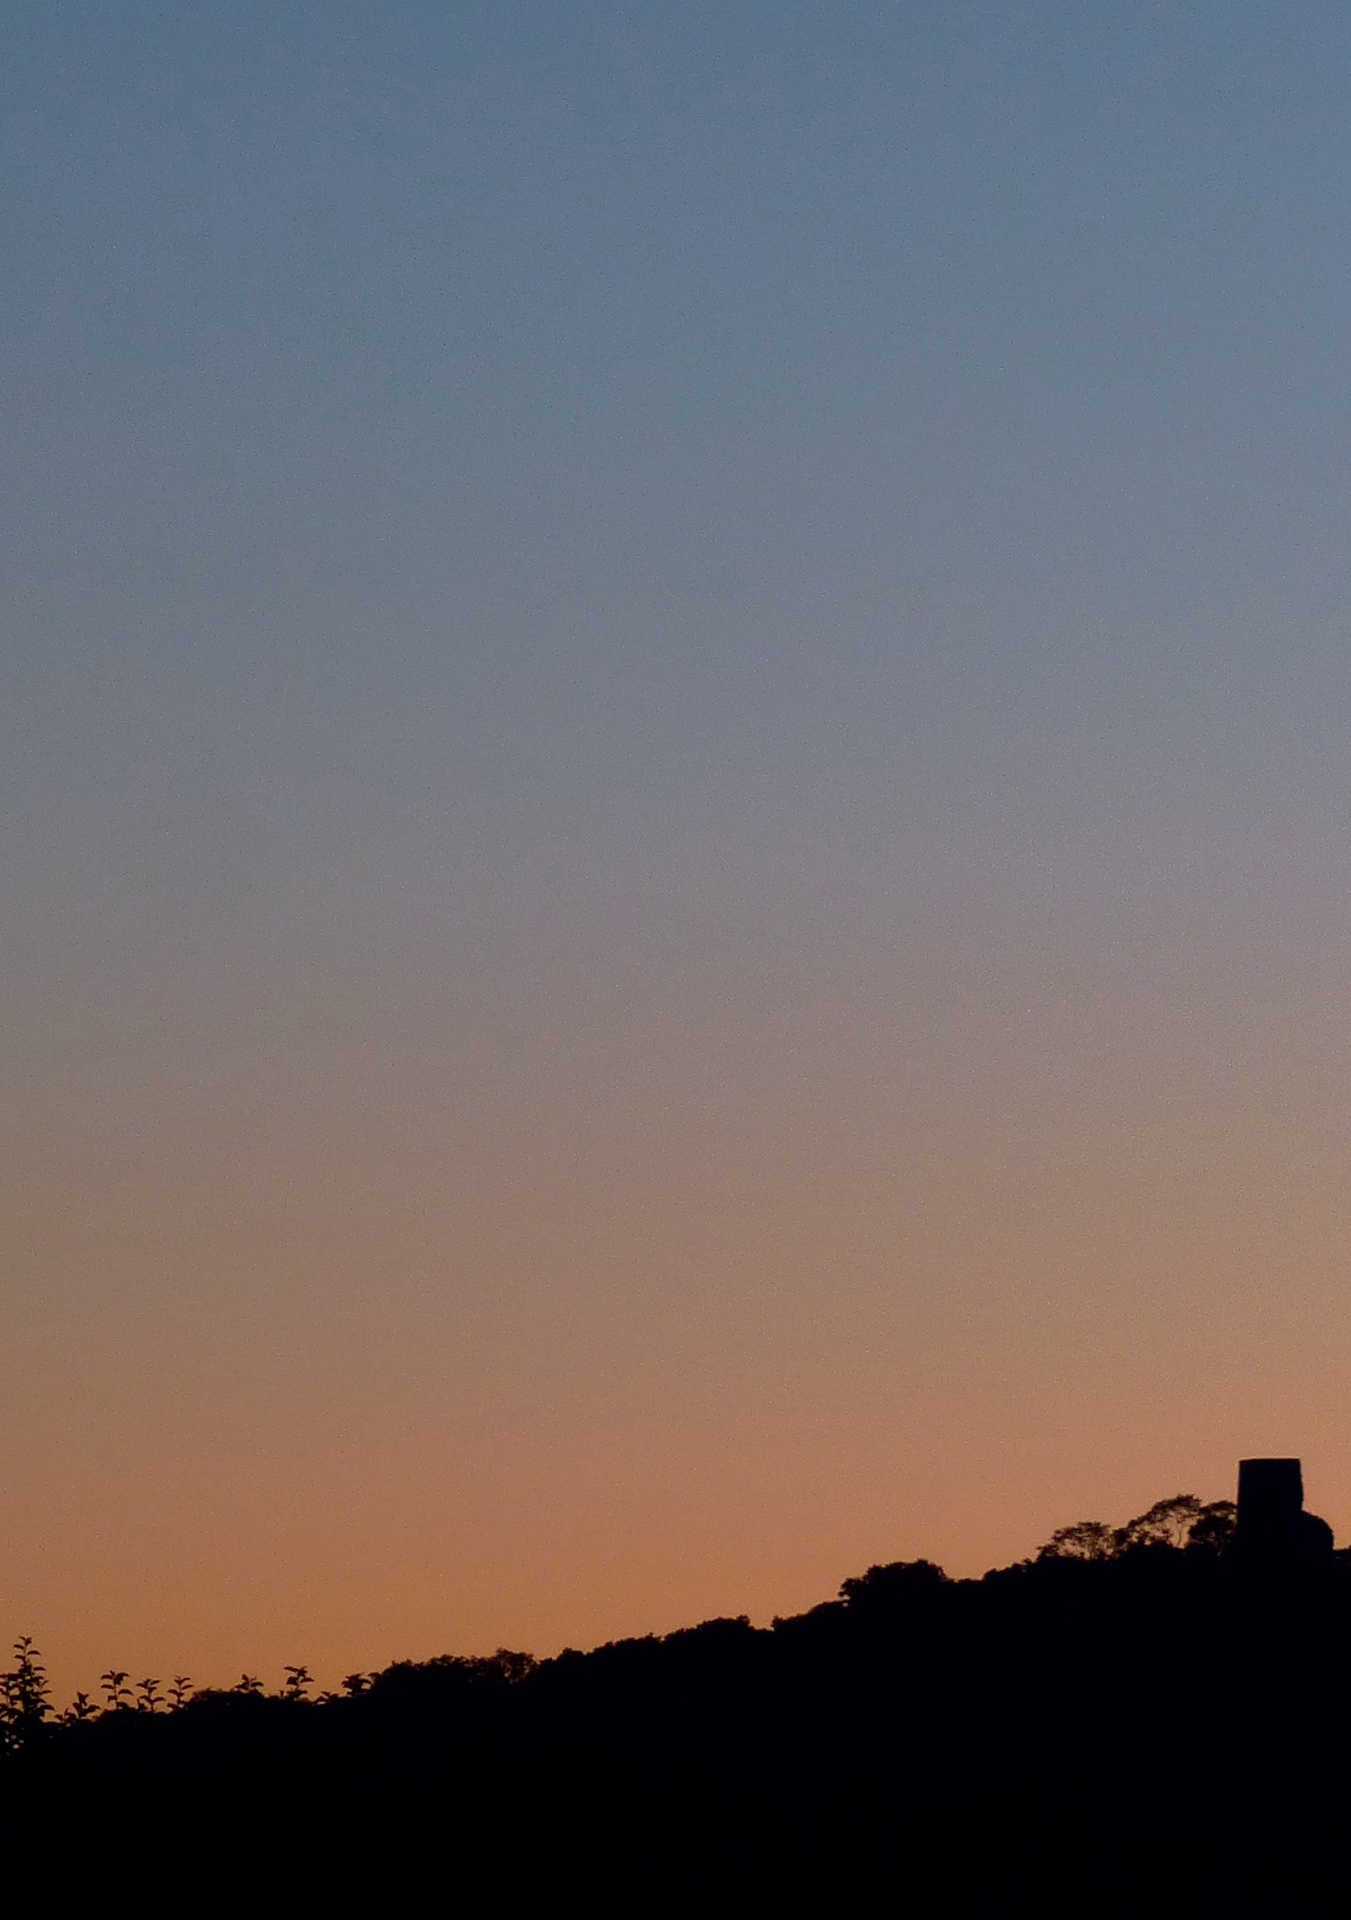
(1273, 1528)
(1270, 1502)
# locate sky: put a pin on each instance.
(674, 804)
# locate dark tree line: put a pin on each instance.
(1125, 1722)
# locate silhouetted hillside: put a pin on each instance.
(1134, 1720)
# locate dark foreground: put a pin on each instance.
(1151, 1732)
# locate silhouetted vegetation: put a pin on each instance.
(1131, 1720)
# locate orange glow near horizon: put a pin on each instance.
(708, 1348)
(673, 813)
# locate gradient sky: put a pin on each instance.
(676, 783)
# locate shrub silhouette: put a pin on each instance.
(25, 1697)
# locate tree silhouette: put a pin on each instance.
(1214, 1529)
(1167, 1523)
(1085, 1540)
(897, 1582)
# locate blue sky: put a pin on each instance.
(682, 600)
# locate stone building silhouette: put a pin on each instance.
(1273, 1529)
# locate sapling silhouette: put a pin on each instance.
(247, 1683)
(355, 1683)
(150, 1700)
(178, 1690)
(298, 1680)
(80, 1708)
(114, 1684)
